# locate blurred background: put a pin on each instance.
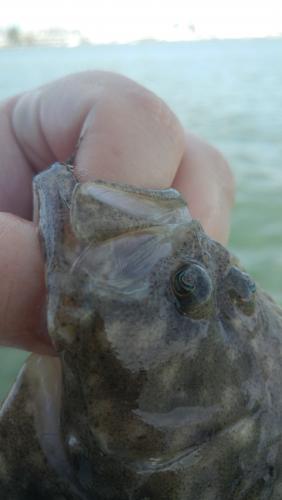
(216, 63)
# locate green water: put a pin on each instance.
(229, 92)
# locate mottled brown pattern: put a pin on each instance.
(167, 384)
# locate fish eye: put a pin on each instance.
(242, 289)
(192, 287)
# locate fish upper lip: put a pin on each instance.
(180, 416)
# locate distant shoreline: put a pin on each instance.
(85, 43)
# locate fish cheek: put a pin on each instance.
(203, 371)
(111, 391)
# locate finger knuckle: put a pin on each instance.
(156, 111)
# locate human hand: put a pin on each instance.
(129, 135)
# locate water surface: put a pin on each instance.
(229, 92)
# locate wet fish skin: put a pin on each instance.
(167, 382)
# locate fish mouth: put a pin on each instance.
(240, 432)
(201, 429)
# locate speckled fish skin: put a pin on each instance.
(167, 384)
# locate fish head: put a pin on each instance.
(152, 320)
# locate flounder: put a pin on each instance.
(167, 384)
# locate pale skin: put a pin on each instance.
(127, 134)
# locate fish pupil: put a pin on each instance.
(187, 281)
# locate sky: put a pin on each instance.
(129, 20)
